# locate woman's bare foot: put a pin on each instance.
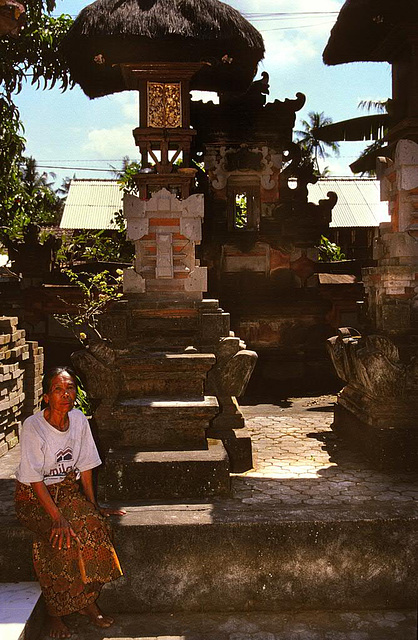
(57, 628)
(96, 616)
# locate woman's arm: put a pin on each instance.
(87, 483)
(61, 530)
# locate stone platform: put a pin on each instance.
(313, 527)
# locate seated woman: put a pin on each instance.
(72, 552)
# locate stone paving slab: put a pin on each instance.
(315, 625)
(300, 461)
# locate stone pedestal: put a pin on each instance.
(376, 410)
(153, 417)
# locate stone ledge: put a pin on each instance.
(218, 556)
(167, 474)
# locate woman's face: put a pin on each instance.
(62, 393)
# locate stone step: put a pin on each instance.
(314, 625)
(204, 556)
(167, 475)
(21, 611)
(164, 374)
(155, 424)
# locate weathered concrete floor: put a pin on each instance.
(313, 625)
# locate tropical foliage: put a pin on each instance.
(311, 144)
(98, 290)
(329, 251)
(31, 56)
(93, 246)
(366, 162)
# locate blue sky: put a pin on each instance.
(69, 130)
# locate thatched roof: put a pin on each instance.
(356, 129)
(134, 31)
(370, 30)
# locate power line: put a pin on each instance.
(83, 160)
(276, 15)
(301, 26)
(287, 16)
(50, 166)
(61, 168)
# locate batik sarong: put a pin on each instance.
(71, 578)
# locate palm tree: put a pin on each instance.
(31, 176)
(371, 127)
(38, 190)
(313, 146)
(366, 162)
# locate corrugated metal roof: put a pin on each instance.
(91, 204)
(358, 203)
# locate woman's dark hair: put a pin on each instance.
(55, 371)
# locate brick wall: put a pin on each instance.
(21, 368)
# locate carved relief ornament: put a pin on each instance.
(268, 162)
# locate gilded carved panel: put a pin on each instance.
(164, 104)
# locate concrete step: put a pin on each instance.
(21, 611)
(208, 557)
(315, 625)
(215, 556)
(167, 475)
(155, 424)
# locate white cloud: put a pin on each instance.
(293, 39)
(128, 104)
(111, 143)
(205, 96)
(117, 141)
(284, 52)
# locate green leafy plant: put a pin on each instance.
(82, 401)
(97, 292)
(241, 211)
(126, 178)
(34, 54)
(329, 251)
(311, 144)
(91, 246)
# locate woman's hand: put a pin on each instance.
(61, 533)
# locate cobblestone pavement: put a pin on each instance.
(299, 460)
(299, 463)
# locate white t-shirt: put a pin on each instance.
(48, 454)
